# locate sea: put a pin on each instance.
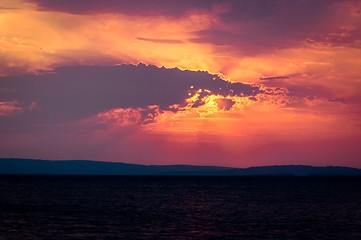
(179, 207)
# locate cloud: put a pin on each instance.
(135, 7)
(6, 9)
(255, 27)
(125, 93)
(248, 26)
(243, 40)
(10, 108)
(244, 27)
(169, 41)
(274, 78)
(33, 40)
(130, 116)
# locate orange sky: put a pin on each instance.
(302, 57)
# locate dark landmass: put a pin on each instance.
(86, 167)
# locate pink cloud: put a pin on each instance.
(10, 108)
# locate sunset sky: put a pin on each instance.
(206, 82)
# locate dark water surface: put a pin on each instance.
(75, 207)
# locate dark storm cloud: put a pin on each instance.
(79, 92)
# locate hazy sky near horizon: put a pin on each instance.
(207, 82)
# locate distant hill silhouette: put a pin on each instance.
(86, 167)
